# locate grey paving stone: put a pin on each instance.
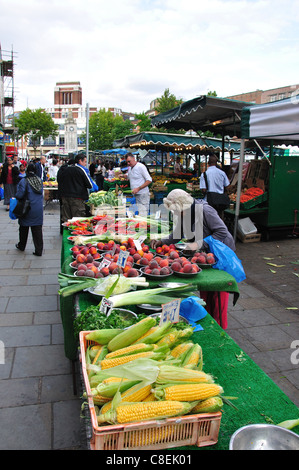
(32, 304)
(267, 337)
(16, 319)
(16, 336)
(20, 280)
(57, 388)
(6, 367)
(66, 411)
(26, 427)
(40, 361)
(254, 317)
(47, 318)
(19, 392)
(45, 279)
(22, 291)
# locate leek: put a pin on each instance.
(289, 423)
(156, 296)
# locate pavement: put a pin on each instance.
(38, 407)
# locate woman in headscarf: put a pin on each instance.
(194, 220)
(31, 187)
(9, 179)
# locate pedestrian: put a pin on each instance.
(100, 175)
(22, 173)
(214, 180)
(194, 220)
(16, 161)
(53, 170)
(31, 187)
(73, 188)
(9, 178)
(178, 168)
(41, 168)
(140, 180)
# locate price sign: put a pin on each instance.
(158, 215)
(170, 311)
(139, 242)
(122, 258)
(106, 306)
(130, 214)
(105, 263)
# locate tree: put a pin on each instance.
(101, 126)
(34, 125)
(122, 127)
(144, 122)
(167, 101)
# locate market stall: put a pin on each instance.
(50, 192)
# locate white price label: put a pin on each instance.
(158, 215)
(139, 242)
(170, 311)
(122, 258)
(130, 214)
(106, 306)
(105, 263)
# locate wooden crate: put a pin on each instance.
(251, 238)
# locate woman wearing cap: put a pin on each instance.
(31, 187)
(194, 220)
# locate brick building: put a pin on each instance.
(267, 96)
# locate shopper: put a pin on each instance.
(140, 180)
(214, 180)
(31, 187)
(73, 186)
(195, 220)
(9, 178)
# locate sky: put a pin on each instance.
(125, 53)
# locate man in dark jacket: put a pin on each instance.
(73, 186)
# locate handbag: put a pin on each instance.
(23, 206)
(216, 200)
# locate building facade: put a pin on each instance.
(267, 96)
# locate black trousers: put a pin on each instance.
(37, 237)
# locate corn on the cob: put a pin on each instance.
(147, 437)
(133, 394)
(117, 361)
(113, 379)
(169, 339)
(150, 397)
(103, 336)
(132, 349)
(131, 334)
(129, 412)
(175, 374)
(100, 354)
(210, 405)
(155, 333)
(193, 358)
(188, 392)
(109, 389)
(180, 349)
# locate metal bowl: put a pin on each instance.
(187, 275)
(264, 437)
(149, 308)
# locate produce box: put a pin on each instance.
(254, 201)
(197, 430)
(251, 238)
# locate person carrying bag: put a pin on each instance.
(30, 189)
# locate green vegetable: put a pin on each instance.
(289, 424)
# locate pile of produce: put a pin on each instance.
(250, 193)
(148, 372)
(104, 198)
(201, 257)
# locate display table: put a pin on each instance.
(206, 280)
(259, 399)
(50, 194)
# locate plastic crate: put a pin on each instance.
(254, 201)
(197, 430)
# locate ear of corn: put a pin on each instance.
(131, 334)
(117, 361)
(188, 392)
(109, 389)
(150, 397)
(102, 351)
(193, 358)
(103, 336)
(132, 349)
(169, 339)
(180, 350)
(138, 392)
(155, 333)
(210, 405)
(141, 411)
(176, 374)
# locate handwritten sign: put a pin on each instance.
(105, 263)
(106, 306)
(122, 258)
(170, 311)
(139, 242)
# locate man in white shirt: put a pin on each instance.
(139, 179)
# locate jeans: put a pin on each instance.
(143, 203)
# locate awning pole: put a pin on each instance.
(239, 187)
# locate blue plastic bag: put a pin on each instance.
(193, 311)
(12, 204)
(227, 260)
(1, 194)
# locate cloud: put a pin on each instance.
(126, 52)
